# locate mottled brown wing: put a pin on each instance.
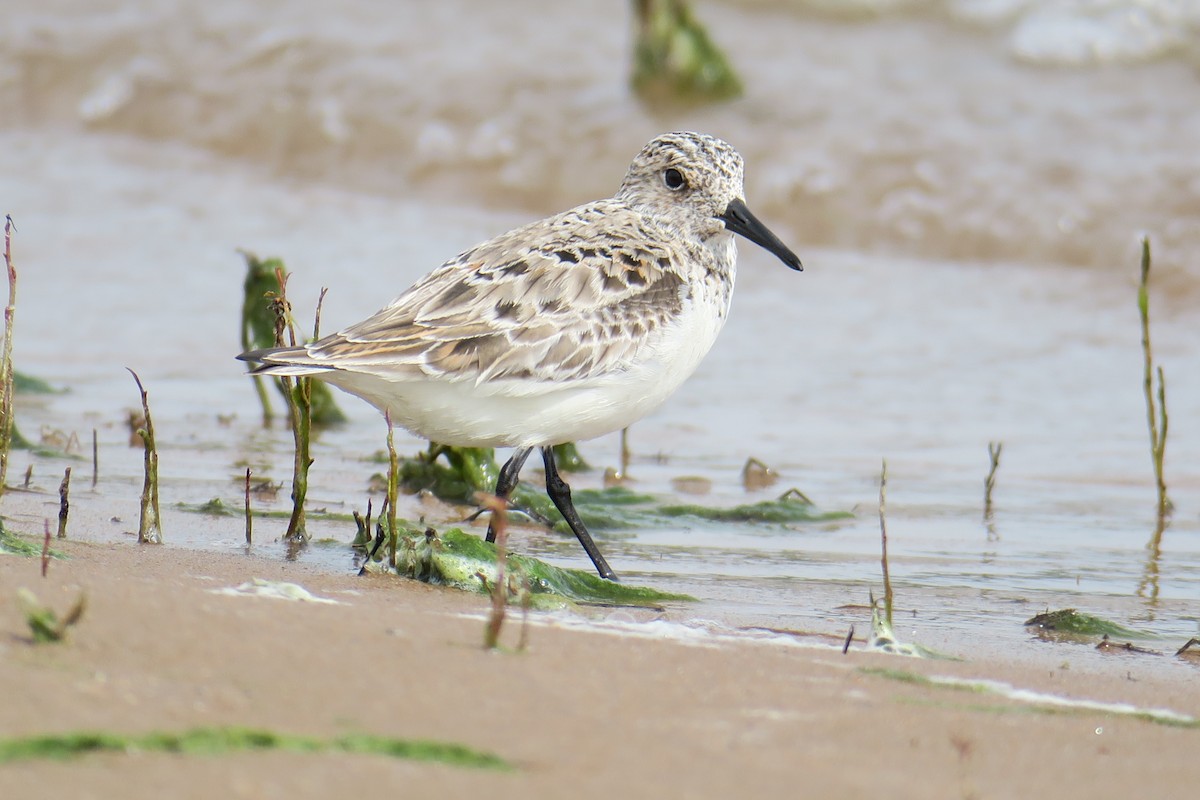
(539, 303)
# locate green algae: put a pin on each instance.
(457, 474)
(569, 459)
(1073, 622)
(465, 561)
(788, 508)
(44, 622)
(674, 59)
(453, 474)
(224, 740)
(28, 384)
(12, 544)
(217, 507)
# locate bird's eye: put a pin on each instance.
(673, 178)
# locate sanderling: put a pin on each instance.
(560, 330)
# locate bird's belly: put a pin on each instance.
(520, 413)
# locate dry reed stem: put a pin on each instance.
(64, 503)
(46, 547)
(989, 483)
(6, 365)
(499, 589)
(149, 519)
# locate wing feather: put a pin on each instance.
(568, 298)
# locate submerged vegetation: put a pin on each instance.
(458, 474)
(674, 59)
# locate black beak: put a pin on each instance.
(738, 219)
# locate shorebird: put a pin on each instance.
(564, 329)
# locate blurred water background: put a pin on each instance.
(966, 182)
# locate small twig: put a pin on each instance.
(393, 488)
(149, 520)
(757, 475)
(64, 503)
(499, 590)
(849, 639)
(6, 362)
(989, 483)
(380, 536)
(95, 458)
(317, 320)
(362, 534)
(28, 476)
(46, 548)
(887, 578)
(249, 516)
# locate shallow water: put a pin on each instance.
(967, 214)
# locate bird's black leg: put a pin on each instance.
(507, 481)
(560, 493)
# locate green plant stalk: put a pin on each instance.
(1164, 503)
(1155, 413)
(149, 519)
(300, 408)
(298, 394)
(6, 365)
(887, 577)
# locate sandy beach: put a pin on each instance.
(582, 711)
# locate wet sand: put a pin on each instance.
(581, 712)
